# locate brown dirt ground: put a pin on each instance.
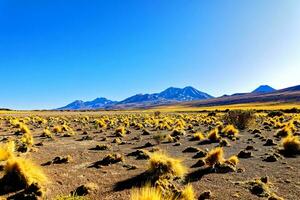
(284, 173)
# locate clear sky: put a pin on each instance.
(53, 52)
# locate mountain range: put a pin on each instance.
(188, 96)
(170, 95)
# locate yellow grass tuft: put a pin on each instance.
(188, 193)
(198, 136)
(214, 156)
(120, 131)
(23, 172)
(214, 135)
(161, 164)
(291, 144)
(24, 128)
(146, 193)
(234, 160)
(7, 150)
(27, 139)
(284, 132)
(47, 133)
(230, 131)
(57, 129)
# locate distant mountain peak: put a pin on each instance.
(263, 89)
(169, 95)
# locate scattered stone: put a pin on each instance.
(269, 142)
(249, 147)
(200, 154)
(190, 150)
(270, 158)
(139, 154)
(245, 154)
(85, 189)
(102, 147)
(110, 159)
(256, 131)
(148, 144)
(205, 195)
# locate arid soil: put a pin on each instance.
(110, 181)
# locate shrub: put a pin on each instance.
(120, 131)
(57, 129)
(46, 133)
(230, 131)
(291, 144)
(187, 193)
(214, 156)
(27, 139)
(159, 137)
(241, 119)
(146, 193)
(24, 128)
(284, 132)
(234, 160)
(20, 173)
(7, 150)
(198, 136)
(161, 164)
(213, 135)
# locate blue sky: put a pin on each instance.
(53, 52)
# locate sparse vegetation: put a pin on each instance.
(180, 148)
(241, 119)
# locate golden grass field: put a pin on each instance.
(246, 106)
(150, 155)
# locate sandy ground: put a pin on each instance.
(64, 178)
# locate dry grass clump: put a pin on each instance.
(26, 142)
(161, 164)
(120, 131)
(187, 193)
(262, 188)
(213, 135)
(7, 150)
(215, 160)
(57, 129)
(234, 160)
(284, 132)
(155, 193)
(20, 173)
(198, 136)
(214, 156)
(241, 119)
(24, 128)
(47, 133)
(159, 137)
(230, 131)
(291, 145)
(146, 193)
